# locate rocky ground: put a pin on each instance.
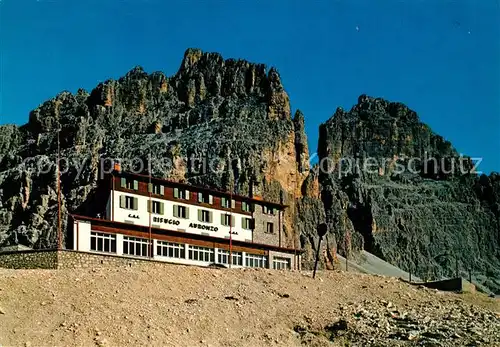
(189, 306)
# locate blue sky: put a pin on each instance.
(441, 58)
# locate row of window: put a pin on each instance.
(135, 246)
(281, 263)
(184, 194)
(204, 216)
(103, 242)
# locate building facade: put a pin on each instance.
(168, 221)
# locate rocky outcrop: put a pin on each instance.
(218, 123)
(406, 194)
(382, 323)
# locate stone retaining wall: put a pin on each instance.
(68, 259)
(75, 260)
(32, 259)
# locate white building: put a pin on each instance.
(178, 223)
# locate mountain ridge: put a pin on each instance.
(238, 114)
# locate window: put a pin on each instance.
(201, 253)
(128, 202)
(246, 207)
(268, 210)
(129, 183)
(270, 228)
(205, 216)
(102, 242)
(223, 257)
(205, 198)
(156, 207)
(135, 246)
(246, 223)
(180, 193)
(237, 258)
(181, 211)
(157, 189)
(227, 203)
(255, 260)
(227, 219)
(171, 250)
(281, 263)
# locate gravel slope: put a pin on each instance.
(190, 306)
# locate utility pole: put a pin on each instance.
(412, 254)
(231, 223)
(322, 229)
(347, 243)
(150, 186)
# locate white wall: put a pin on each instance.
(81, 232)
(84, 229)
(127, 216)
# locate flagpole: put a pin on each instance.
(59, 236)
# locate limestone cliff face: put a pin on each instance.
(218, 123)
(410, 199)
(227, 124)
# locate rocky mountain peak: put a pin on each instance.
(191, 57)
(213, 110)
(382, 130)
(397, 189)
